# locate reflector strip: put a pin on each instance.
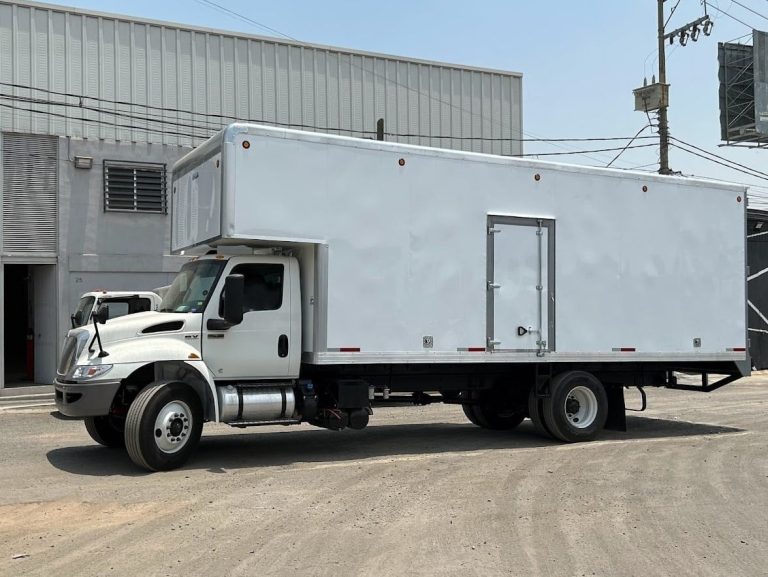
(737, 350)
(471, 349)
(624, 350)
(345, 350)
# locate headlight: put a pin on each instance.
(90, 371)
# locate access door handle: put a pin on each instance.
(282, 346)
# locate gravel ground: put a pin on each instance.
(419, 492)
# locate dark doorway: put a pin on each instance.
(17, 325)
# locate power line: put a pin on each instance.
(671, 13)
(242, 17)
(360, 67)
(630, 142)
(97, 121)
(193, 136)
(729, 16)
(755, 12)
(724, 159)
(585, 152)
(679, 147)
(374, 73)
(739, 38)
(164, 119)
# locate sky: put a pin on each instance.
(580, 60)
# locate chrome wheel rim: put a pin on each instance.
(172, 427)
(580, 407)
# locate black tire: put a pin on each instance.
(577, 407)
(492, 418)
(470, 414)
(177, 411)
(106, 431)
(536, 414)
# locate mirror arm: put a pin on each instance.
(97, 336)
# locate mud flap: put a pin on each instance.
(617, 415)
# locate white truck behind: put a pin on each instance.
(334, 271)
(120, 303)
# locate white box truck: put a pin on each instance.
(334, 272)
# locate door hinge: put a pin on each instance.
(492, 285)
(492, 230)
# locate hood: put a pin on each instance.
(147, 323)
(133, 340)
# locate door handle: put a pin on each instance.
(282, 346)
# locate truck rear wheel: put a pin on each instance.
(492, 418)
(577, 407)
(105, 431)
(163, 426)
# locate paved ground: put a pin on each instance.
(420, 492)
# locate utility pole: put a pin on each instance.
(663, 123)
(655, 96)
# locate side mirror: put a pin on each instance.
(102, 314)
(234, 293)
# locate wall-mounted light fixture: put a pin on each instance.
(83, 162)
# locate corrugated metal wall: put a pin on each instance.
(99, 76)
(29, 193)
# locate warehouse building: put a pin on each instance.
(95, 108)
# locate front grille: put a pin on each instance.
(68, 355)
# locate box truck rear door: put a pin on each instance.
(520, 277)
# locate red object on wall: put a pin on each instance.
(30, 355)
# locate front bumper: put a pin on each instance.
(85, 399)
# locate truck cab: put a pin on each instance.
(225, 344)
(261, 340)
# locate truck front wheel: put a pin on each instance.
(105, 431)
(577, 407)
(163, 426)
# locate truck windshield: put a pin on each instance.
(83, 313)
(191, 289)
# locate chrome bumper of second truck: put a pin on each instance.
(85, 399)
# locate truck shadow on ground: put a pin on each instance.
(269, 448)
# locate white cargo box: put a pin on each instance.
(412, 254)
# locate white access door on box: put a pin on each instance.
(520, 284)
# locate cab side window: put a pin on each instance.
(263, 286)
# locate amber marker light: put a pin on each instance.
(246, 144)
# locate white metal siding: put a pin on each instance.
(29, 194)
(108, 77)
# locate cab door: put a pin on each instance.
(258, 347)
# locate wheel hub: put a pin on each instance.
(172, 426)
(581, 407)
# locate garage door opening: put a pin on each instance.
(29, 324)
(18, 326)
